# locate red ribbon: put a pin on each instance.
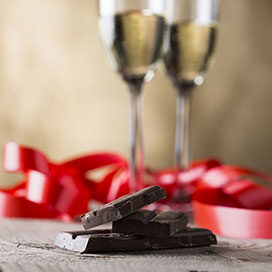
(225, 199)
(62, 191)
(228, 202)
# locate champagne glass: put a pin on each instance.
(133, 32)
(189, 49)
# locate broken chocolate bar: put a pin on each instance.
(105, 241)
(122, 207)
(190, 237)
(99, 241)
(148, 223)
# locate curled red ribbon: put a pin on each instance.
(59, 190)
(228, 202)
(225, 199)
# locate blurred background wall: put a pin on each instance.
(58, 93)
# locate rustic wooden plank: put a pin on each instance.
(27, 245)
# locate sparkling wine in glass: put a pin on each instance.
(133, 33)
(192, 27)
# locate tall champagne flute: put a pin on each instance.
(133, 32)
(189, 49)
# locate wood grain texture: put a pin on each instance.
(27, 245)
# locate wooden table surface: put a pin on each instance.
(27, 245)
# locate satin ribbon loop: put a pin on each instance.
(228, 201)
(57, 190)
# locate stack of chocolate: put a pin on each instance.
(134, 228)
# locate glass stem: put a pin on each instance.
(182, 157)
(136, 135)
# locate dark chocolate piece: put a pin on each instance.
(149, 224)
(190, 237)
(122, 207)
(105, 241)
(100, 241)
